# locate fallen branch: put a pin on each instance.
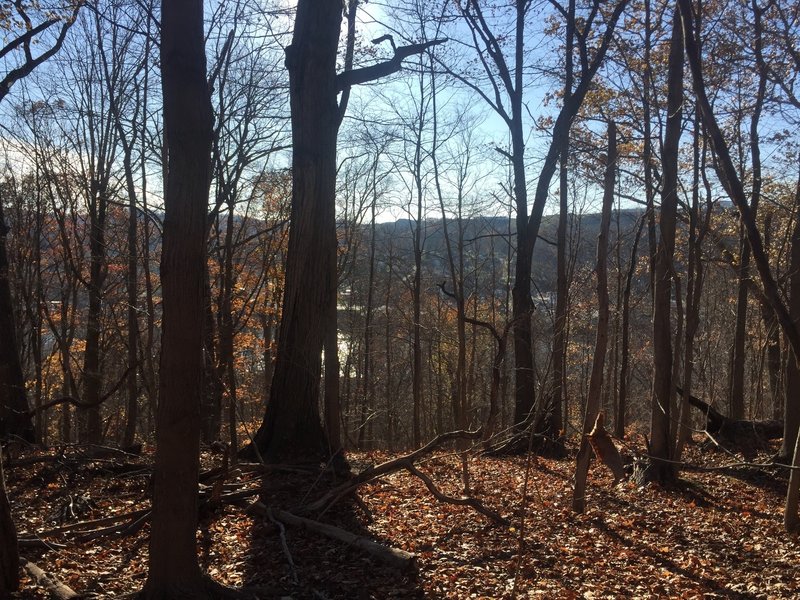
(735, 430)
(121, 529)
(95, 522)
(399, 559)
(471, 502)
(386, 468)
(39, 544)
(284, 545)
(49, 582)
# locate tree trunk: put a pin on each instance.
(791, 519)
(211, 401)
(736, 375)
(601, 342)
(291, 428)
(91, 430)
(624, 368)
(559, 395)
(791, 419)
(227, 367)
(416, 344)
(663, 390)
(174, 570)
(694, 288)
(14, 416)
(368, 384)
(9, 554)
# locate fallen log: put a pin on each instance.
(394, 557)
(50, 583)
(744, 435)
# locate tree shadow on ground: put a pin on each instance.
(666, 562)
(320, 567)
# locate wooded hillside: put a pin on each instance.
(497, 298)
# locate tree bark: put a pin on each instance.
(174, 570)
(9, 554)
(624, 369)
(291, 428)
(14, 416)
(559, 396)
(791, 418)
(601, 342)
(662, 399)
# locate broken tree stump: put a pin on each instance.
(605, 449)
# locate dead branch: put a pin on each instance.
(49, 582)
(735, 430)
(390, 466)
(284, 545)
(39, 544)
(94, 523)
(122, 529)
(471, 502)
(399, 559)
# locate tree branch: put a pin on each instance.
(382, 69)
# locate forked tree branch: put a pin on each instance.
(382, 69)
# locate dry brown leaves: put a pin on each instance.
(718, 536)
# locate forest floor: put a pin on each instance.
(717, 535)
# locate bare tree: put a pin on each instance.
(291, 428)
(601, 342)
(505, 97)
(174, 570)
(663, 387)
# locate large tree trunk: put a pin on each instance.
(14, 416)
(174, 570)
(660, 442)
(601, 341)
(9, 554)
(291, 428)
(791, 418)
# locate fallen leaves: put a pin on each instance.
(718, 536)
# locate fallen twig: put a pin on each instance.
(284, 545)
(95, 522)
